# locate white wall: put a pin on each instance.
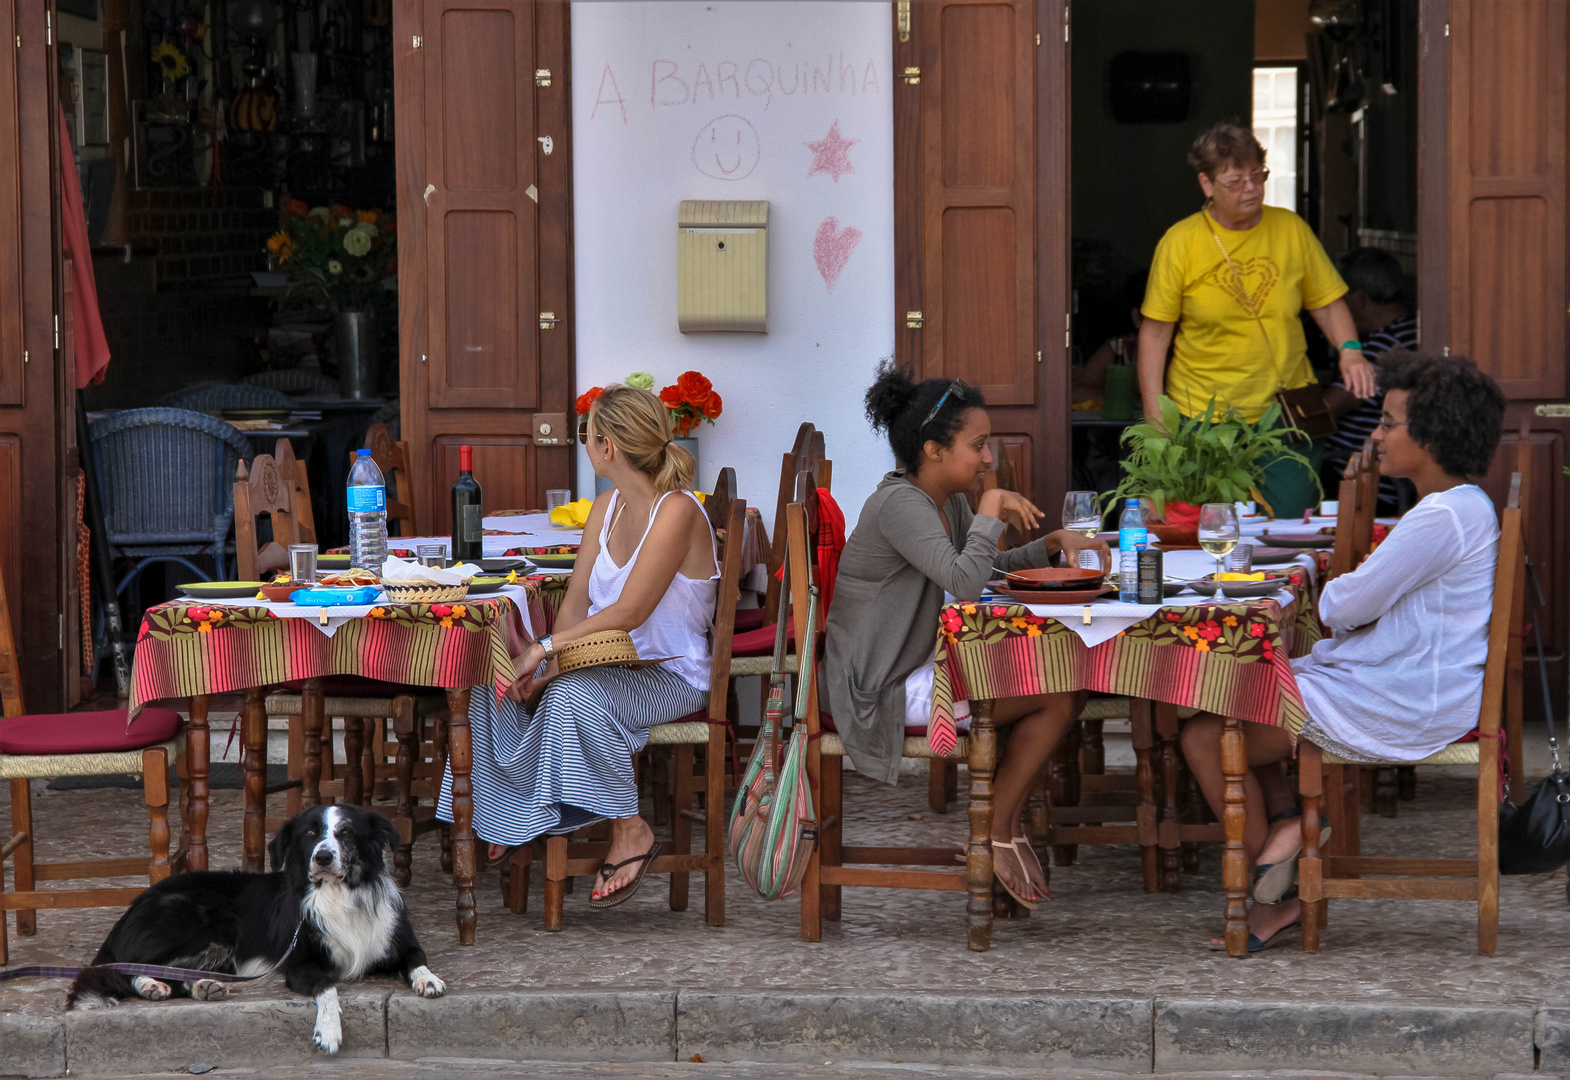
(648, 79)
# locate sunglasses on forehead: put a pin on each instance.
(960, 392)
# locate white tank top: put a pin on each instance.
(680, 624)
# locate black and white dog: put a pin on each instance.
(330, 885)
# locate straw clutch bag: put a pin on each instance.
(604, 648)
(424, 592)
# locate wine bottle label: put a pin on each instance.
(471, 530)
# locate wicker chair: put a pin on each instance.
(293, 381)
(211, 397)
(166, 477)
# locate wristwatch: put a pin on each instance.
(545, 643)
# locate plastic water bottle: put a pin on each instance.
(1131, 537)
(367, 514)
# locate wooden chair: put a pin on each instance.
(392, 458)
(1322, 877)
(273, 484)
(569, 857)
(81, 744)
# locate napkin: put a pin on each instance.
(573, 514)
(398, 571)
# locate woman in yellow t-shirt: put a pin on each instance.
(1225, 290)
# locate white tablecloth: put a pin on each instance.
(494, 547)
(339, 614)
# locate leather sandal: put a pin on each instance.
(1272, 880)
(1012, 850)
(623, 894)
(1022, 845)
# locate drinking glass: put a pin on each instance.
(431, 555)
(1219, 532)
(555, 497)
(302, 563)
(1081, 516)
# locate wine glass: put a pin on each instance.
(1219, 533)
(1081, 516)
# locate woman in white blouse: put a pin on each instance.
(1401, 675)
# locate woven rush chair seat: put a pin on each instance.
(1455, 754)
(916, 746)
(108, 763)
(680, 733)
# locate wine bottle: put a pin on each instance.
(467, 517)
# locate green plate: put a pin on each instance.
(479, 586)
(332, 562)
(221, 590)
(554, 562)
(255, 414)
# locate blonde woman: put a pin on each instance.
(648, 566)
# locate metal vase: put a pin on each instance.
(358, 359)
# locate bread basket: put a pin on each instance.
(424, 592)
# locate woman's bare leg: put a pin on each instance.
(1038, 724)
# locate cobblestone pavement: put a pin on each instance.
(1100, 933)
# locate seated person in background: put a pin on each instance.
(915, 540)
(1090, 378)
(647, 566)
(1374, 296)
(1401, 675)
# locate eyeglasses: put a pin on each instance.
(957, 388)
(583, 431)
(1386, 425)
(1256, 178)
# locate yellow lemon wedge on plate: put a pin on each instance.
(1260, 576)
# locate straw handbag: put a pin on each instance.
(773, 826)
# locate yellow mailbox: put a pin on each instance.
(722, 266)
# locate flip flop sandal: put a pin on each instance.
(1022, 844)
(1255, 944)
(1272, 880)
(623, 894)
(1011, 849)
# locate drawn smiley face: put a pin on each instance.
(727, 148)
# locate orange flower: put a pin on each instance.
(281, 244)
(296, 207)
(205, 628)
(1202, 646)
(367, 216)
(695, 389)
(714, 406)
(588, 398)
(340, 211)
(671, 396)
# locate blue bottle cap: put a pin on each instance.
(362, 453)
(1126, 502)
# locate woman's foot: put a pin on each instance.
(631, 837)
(1033, 867)
(1265, 921)
(1008, 865)
(1283, 841)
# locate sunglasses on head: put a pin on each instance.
(960, 392)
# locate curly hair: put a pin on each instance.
(897, 406)
(1453, 410)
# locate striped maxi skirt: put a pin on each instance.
(569, 763)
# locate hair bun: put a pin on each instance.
(890, 394)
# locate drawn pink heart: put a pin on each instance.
(832, 247)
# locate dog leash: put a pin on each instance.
(151, 971)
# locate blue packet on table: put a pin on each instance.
(330, 597)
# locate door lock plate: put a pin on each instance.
(550, 429)
(1559, 412)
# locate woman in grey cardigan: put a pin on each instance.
(917, 539)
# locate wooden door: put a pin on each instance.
(484, 199)
(37, 556)
(1502, 229)
(980, 145)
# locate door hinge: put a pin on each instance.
(418, 41)
(1038, 39)
(49, 28)
(62, 631)
(542, 76)
(902, 18)
(57, 331)
(548, 320)
(1447, 29)
(25, 358)
(422, 358)
(914, 320)
(1068, 339)
(1557, 412)
(1065, 22)
(912, 75)
(1038, 356)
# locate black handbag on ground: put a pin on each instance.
(1534, 838)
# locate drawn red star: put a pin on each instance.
(831, 154)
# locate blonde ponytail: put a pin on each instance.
(639, 425)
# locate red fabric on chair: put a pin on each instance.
(86, 733)
(760, 642)
(749, 618)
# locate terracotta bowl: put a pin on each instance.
(1055, 577)
(1175, 534)
(279, 594)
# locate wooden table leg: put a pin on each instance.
(978, 856)
(199, 748)
(353, 744)
(1142, 734)
(1171, 782)
(407, 730)
(254, 752)
(313, 709)
(460, 758)
(1234, 820)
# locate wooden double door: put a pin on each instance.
(483, 101)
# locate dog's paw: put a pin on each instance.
(151, 989)
(328, 1036)
(425, 983)
(209, 990)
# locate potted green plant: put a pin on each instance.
(1214, 457)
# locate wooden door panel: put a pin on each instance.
(480, 219)
(504, 465)
(11, 343)
(977, 195)
(1516, 330)
(11, 518)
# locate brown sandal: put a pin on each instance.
(623, 894)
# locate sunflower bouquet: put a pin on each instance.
(339, 258)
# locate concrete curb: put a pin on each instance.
(1119, 1031)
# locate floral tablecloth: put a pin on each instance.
(1233, 659)
(186, 648)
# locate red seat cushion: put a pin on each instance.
(748, 618)
(86, 733)
(760, 642)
